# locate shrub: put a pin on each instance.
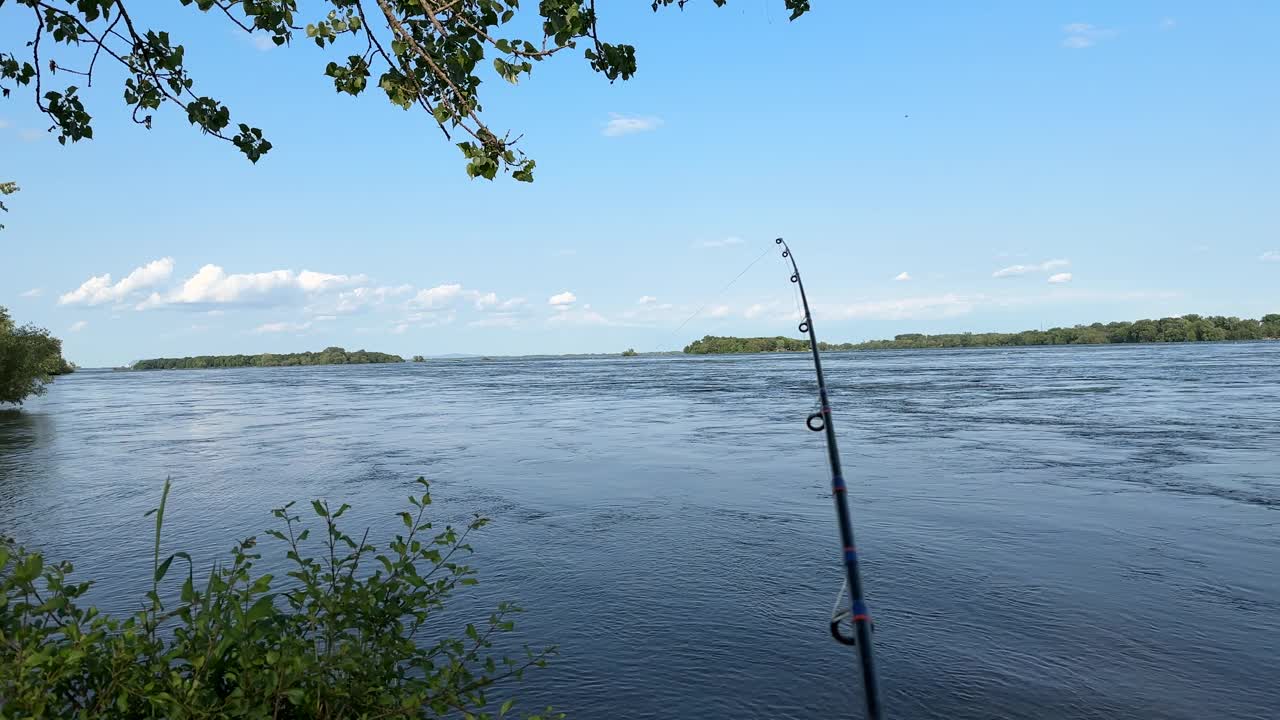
(347, 639)
(29, 358)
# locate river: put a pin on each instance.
(1069, 532)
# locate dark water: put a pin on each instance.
(1046, 533)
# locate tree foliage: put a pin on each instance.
(425, 54)
(715, 345)
(351, 633)
(1188, 328)
(6, 188)
(29, 359)
(328, 356)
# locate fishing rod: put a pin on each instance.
(857, 609)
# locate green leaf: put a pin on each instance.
(163, 568)
(261, 609)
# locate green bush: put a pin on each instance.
(353, 635)
(29, 359)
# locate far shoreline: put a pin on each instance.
(437, 360)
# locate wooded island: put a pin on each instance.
(1188, 328)
(328, 356)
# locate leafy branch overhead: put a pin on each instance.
(7, 188)
(425, 54)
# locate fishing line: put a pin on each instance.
(721, 291)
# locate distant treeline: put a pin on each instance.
(714, 345)
(328, 356)
(1188, 328)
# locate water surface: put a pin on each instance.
(1046, 533)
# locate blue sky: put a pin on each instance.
(936, 167)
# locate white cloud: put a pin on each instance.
(400, 329)
(4, 123)
(719, 311)
(355, 299)
(1168, 23)
(1060, 278)
(325, 318)
(279, 327)
(436, 297)
(563, 299)
(33, 292)
(316, 282)
(79, 325)
(431, 317)
(1083, 35)
(727, 242)
(447, 296)
(1270, 256)
(647, 300)
(99, 289)
(1016, 270)
(440, 305)
(902, 276)
(30, 135)
(754, 311)
(211, 285)
(620, 124)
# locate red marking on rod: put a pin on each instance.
(850, 548)
(856, 618)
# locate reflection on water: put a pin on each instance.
(20, 433)
(19, 430)
(1048, 532)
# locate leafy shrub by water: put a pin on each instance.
(350, 634)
